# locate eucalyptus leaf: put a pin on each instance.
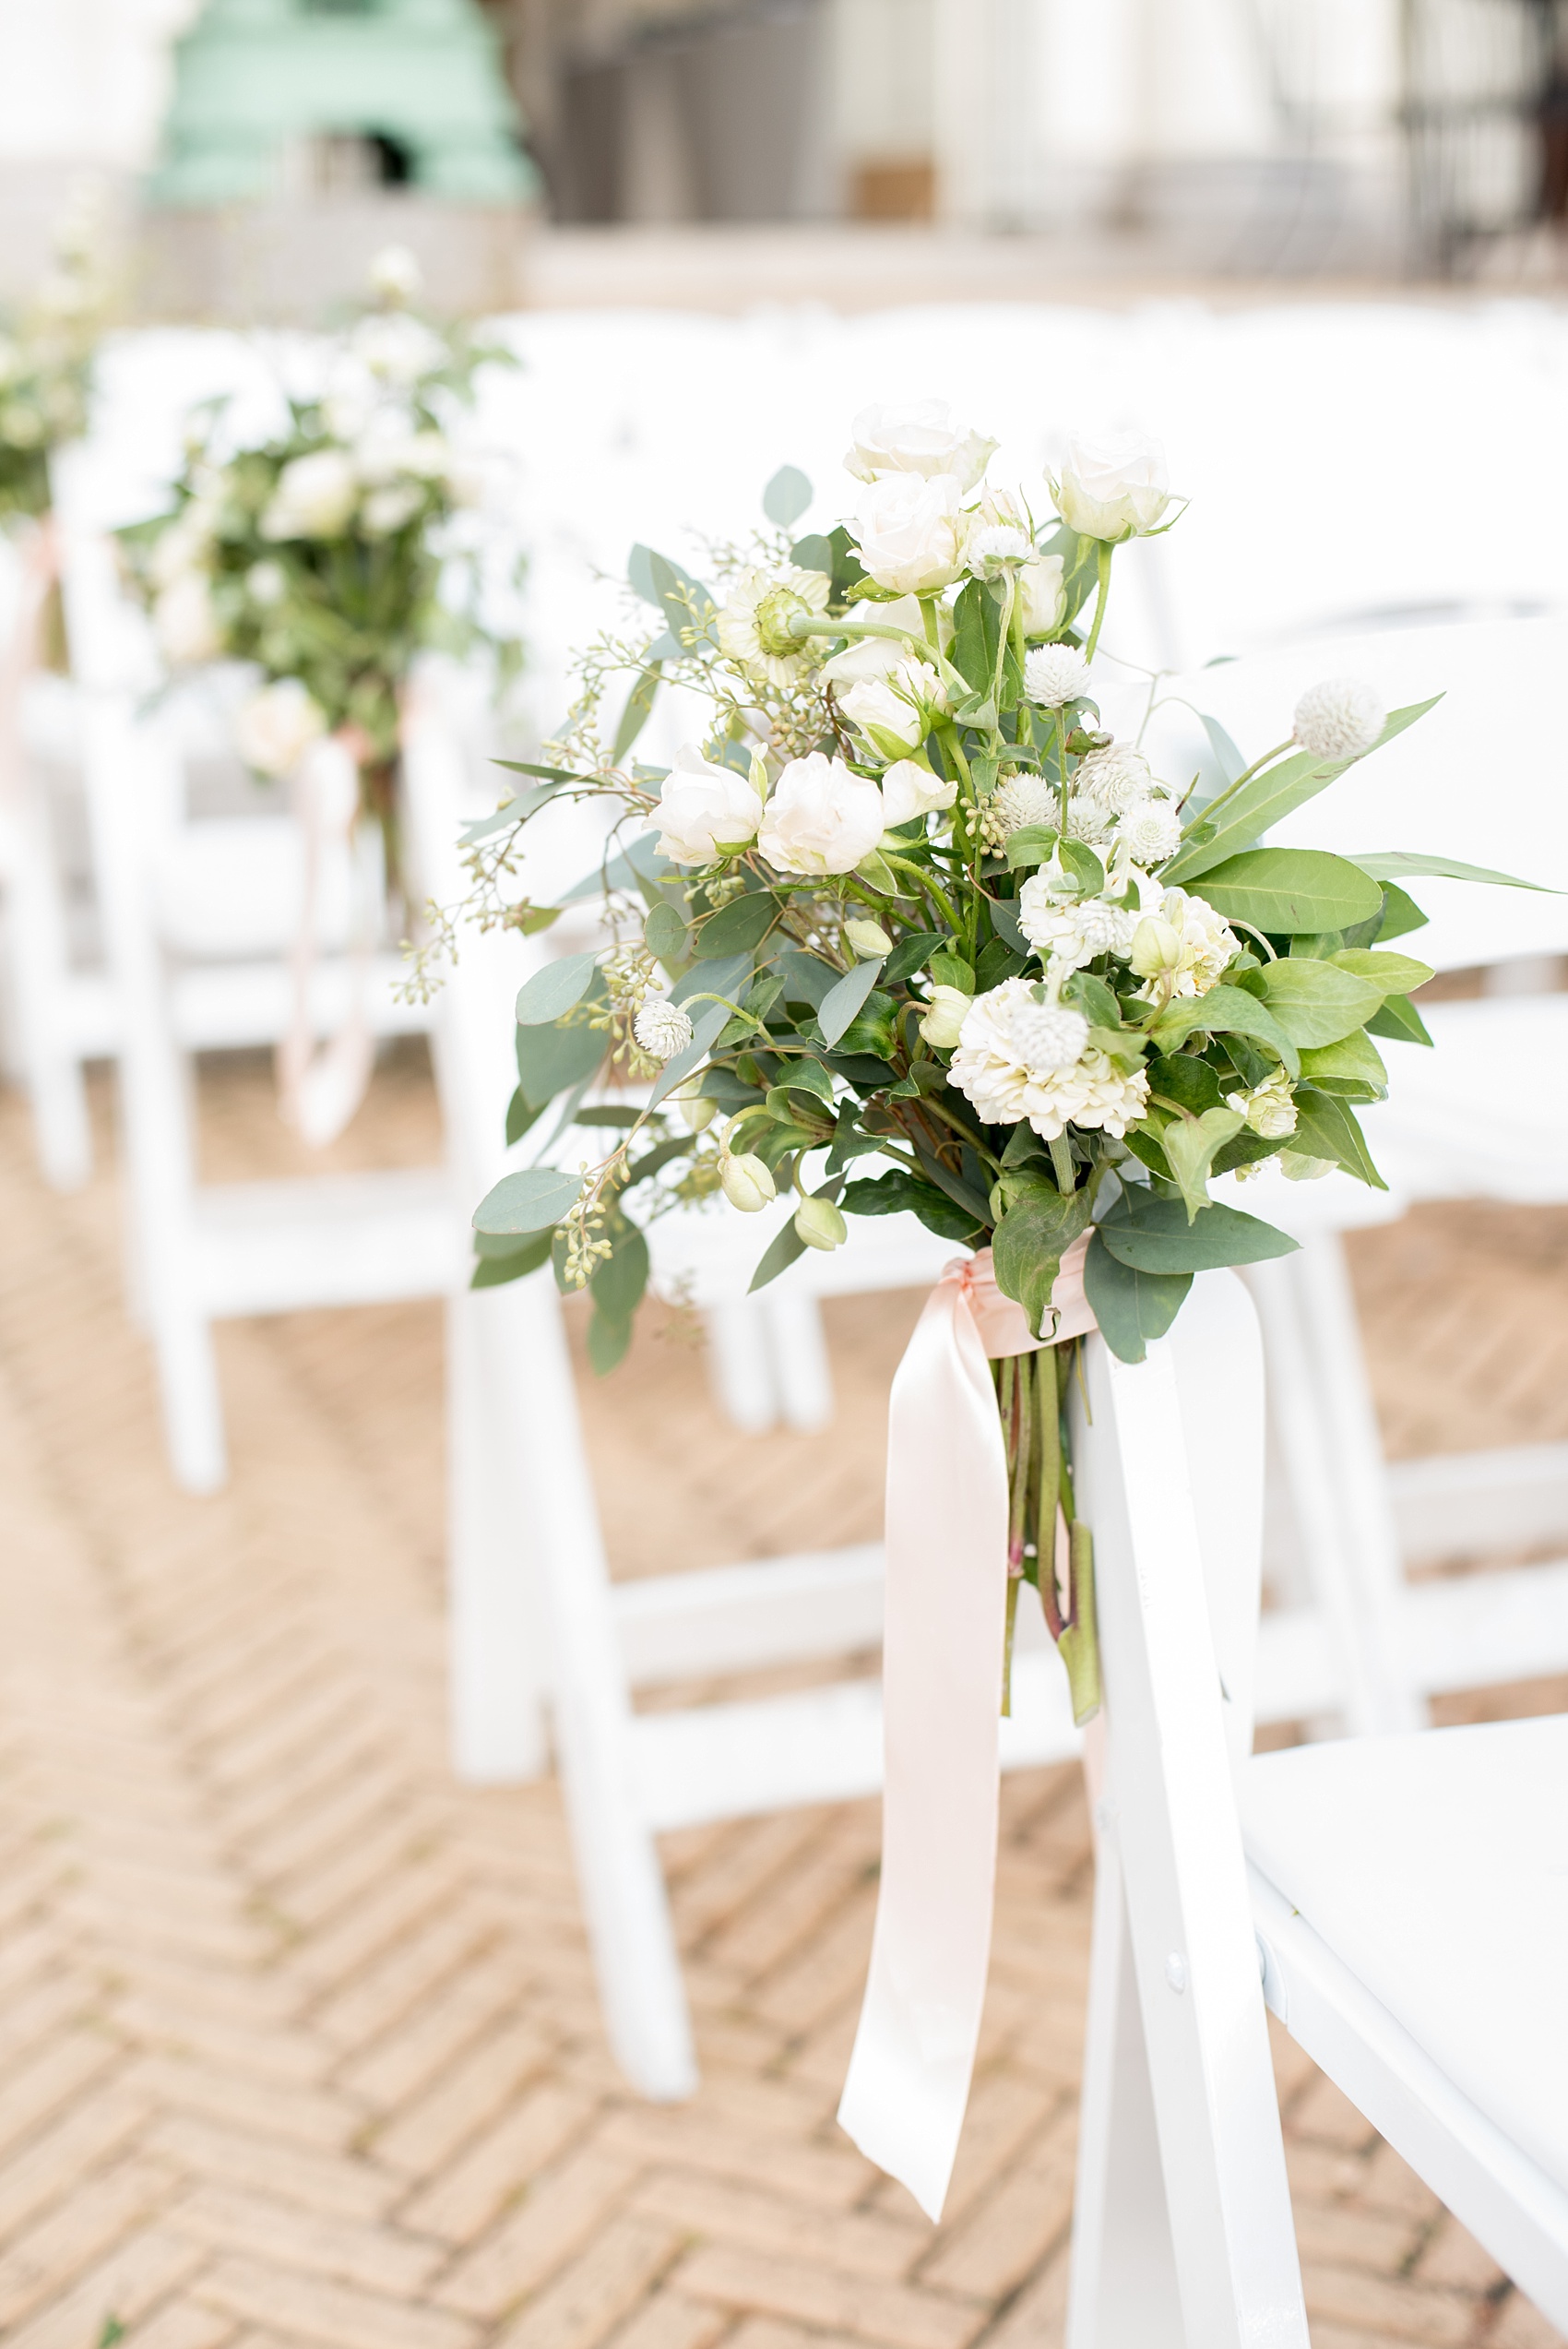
(1290, 891)
(787, 496)
(1004, 921)
(737, 928)
(607, 1343)
(618, 1281)
(730, 978)
(1399, 1020)
(492, 1270)
(1393, 974)
(912, 954)
(839, 1006)
(550, 1060)
(637, 711)
(1325, 1127)
(1399, 864)
(1316, 1002)
(529, 1200)
(785, 1248)
(554, 989)
(1154, 1235)
(665, 935)
(1130, 1307)
(521, 1114)
(898, 1193)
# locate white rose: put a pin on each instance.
(704, 809)
(314, 497)
(1044, 596)
(910, 790)
(1114, 487)
(888, 709)
(274, 728)
(184, 621)
(911, 533)
(397, 348)
(920, 436)
(821, 818)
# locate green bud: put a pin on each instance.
(820, 1225)
(868, 938)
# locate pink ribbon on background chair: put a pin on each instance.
(320, 1085)
(942, 1667)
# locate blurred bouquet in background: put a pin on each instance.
(333, 554)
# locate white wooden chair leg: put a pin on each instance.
(1171, 1809)
(739, 1362)
(1320, 1280)
(497, 1632)
(40, 982)
(798, 1343)
(628, 1915)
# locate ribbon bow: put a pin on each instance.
(942, 1660)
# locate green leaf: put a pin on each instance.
(1401, 912)
(619, 1280)
(1188, 1083)
(505, 1248)
(1399, 1019)
(807, 979)
(637, 711)
(841, 1004)
(808, 1076)
(1272, 795)
(607, 1343)
(871, 1031)
(1353, 1066)
(1316, 1002)
(1223, 1011)
(787, 496)
(1028, 1244)
(1005, 923)
(1325, 1127)
(1288, 892)
(527, 1201)
(1154, 1235)
(520, 1115)
(665, 936)
(912, 954)
(785, 1248)
(609, 1115)
(1396, 864)
(897, 1192)
(812, 552)
(1130, 1306)
(1394, 975)
(1031, 844)
(527, 767)
(1190, 1144)
(554, 989)
(977, 628)
(1080, 859)
(739, 927)
(550, 1060)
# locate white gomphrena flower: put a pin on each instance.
(1340, 718)
(1020, 803)
(662, 1029)
(994, 546)
(1088, 820)
(1117, 775)
(1051, 1036)
(1150, 833)
(1055, 673)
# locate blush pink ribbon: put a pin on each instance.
(942, 1666)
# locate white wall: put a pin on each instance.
(86, 80)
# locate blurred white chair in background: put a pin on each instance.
(1345, 1875)
(1484, 1115)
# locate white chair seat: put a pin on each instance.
(1486, 1114)
(1435, 1869)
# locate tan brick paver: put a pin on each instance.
(299, 2048)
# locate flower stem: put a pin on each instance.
(1103, 559)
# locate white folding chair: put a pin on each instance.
(1485, 1115)
(1396, 1901)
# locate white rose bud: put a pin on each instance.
(922, 438)
(1044, 595)
(274, 728)
(705, 809)
(884, 713)
(662, 1030)
(944, 1022)
(697, 1110)
(868, 940)
(1055, 674)
(1340, 718)
(910, 790)
(746, 1182)
(821, 818)
(912, 533)
(314, 497)
(820, 1225)
(1114, 487)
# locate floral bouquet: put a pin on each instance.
(45, 382)
(908, 931)
(331, 556)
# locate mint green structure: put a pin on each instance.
(252, 75)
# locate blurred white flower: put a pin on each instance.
(705, 808)
(395, 348)
(821, 818)
(920, 436)
(386, 510)
(314, 497)
(754, 627)
(1340, 718)
(185, 545)
(1268, 1108)
(1055, 674)
(266, 583)
(1020, 1058)
(911, 533)
(394, 275)
(662, 1029)
(184, 623)
(1112, 486)
(910, 790)
(275, 727)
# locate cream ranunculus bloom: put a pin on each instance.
(821, 818)
(1021, 1058)
(920, 436)
(314, 497)
(274, 728)
(1112, 488)
(705, 808)
(1183, 950)
(910, 790)
(912, 533)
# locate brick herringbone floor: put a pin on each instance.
(297, 2038)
